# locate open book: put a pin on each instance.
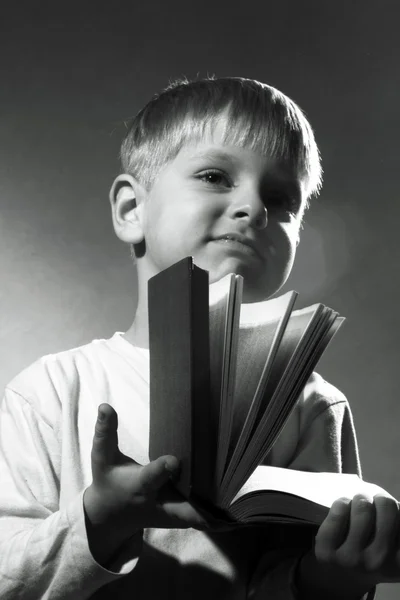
(224, 378)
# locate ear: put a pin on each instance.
(126, 199)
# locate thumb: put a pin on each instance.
(105, 440)
(156, 473)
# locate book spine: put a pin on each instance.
(181, 417)
(171, 372)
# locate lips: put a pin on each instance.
(240, 239)
(240, 242)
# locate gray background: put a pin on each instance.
(71, 76)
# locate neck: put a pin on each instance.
(138, 332)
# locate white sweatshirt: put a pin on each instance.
(47, 420)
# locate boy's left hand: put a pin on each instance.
(361, 538)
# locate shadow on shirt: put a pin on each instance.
(160, 576)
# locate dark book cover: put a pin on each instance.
(180, 374)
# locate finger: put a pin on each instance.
(155, 474)
(362, 521)
(333, 530)
(105, 440)
(385, 534)
(362, 526)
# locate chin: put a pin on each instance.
(219, 270)
(263, 289)
(260, 289)
(250, 296)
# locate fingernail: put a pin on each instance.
(339, 508)
(101, 416)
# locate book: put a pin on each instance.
(224, 378)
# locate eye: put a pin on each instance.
(215, 178)
(281, 201)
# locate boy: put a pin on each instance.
(203, 162)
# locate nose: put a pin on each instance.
(255, 216)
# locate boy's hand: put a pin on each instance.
(127, 496)
(361, 538)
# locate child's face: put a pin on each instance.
(210, 190)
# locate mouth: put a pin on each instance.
(238, 244)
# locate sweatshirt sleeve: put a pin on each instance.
(325, 442)
(44, 551)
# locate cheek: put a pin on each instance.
(183, 223)
(284, 241)
(173, 234)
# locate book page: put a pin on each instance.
(220, 300)
(257, 313)
(298, 324)
(282, 404)
(224, 337)
(262, 327)
(303, 336)
(256, 352)
(320, 488)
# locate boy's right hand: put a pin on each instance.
(126, 497)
